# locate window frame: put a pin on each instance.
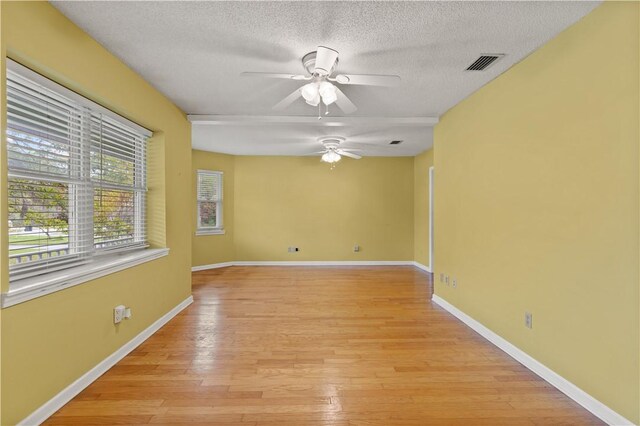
(219, 228)
(102, 262)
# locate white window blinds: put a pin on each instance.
(209, 198)
(118, 176)
(76, 177)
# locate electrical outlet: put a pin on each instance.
(441, 277)
(528, 320)
(455, 283)
(356, 248)
(118, 314)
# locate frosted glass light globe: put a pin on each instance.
(314, 101)
(328, 92)
(331, 157)
(309, 92)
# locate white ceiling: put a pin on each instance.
(300, 137)
(194, 53)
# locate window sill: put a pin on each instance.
(210, 232)
(33, 287)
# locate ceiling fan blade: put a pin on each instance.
(275, 75)
(368, 79)
(348, 154)
(325, 60)
(351, 149)
(288, 100)
(344, 103)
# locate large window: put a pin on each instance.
(77, 177)
(209, 195)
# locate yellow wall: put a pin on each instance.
(208, 249)
(537, 205)
(271, 203)
(421, 165)
(300, 201)
(49, 342)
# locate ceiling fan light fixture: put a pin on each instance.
(326, 87)
(309, 92)
(328, 92)
(314, 101)
(329, 98)
(319, 68)
(331, 157)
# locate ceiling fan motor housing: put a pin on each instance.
(331, 142)
(309, 64)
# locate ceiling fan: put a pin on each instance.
(332, 152)
(321, 89)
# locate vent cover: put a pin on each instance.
(483, 62)
(395, 142)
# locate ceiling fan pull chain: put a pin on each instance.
(319, 110)
(327, 110)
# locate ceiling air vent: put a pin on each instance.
(483, 62)
(395, 142)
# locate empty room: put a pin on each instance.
(320, 213)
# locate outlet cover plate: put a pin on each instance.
(528, 320)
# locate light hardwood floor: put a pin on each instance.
(318, 346)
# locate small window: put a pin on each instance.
(209, 194)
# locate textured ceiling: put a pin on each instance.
(194, 52)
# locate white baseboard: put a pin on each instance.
(211, 266)
(312, 263)
(596, 407)
(423, 267)
(55, 403)
(325, 263)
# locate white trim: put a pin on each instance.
(312, 263)
(54, 404)
(209, 172)
(211, 266)
(214, 119)
(205, 231)
(324, 263)
(421, 266)
(594, 406)
(41, 285)
(308, 263)
(431, 212)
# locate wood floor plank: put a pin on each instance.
(318, 346)
(98, 420)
